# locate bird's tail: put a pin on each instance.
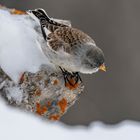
(41, 16)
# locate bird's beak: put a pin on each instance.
(102, 68)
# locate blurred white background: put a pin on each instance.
(16, 125)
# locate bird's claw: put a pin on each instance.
(71, 78)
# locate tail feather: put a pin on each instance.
(45, 21)
(43, 12)
(38, 17)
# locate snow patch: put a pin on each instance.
(15, 125)
(19, 47)
(15, 94)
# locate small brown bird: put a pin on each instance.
(68, 47)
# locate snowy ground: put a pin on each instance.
(15, 125)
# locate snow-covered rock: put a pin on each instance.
(19, 47)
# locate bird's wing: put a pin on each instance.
(56, 44)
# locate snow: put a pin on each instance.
(15, 126)
(15, 94)
(19, 47)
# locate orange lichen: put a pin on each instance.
(48, 103)
(40, 110)
(73, 86)
(17, 12)
(38, 92)
(62, 104)
(54, 117)
(55, 82)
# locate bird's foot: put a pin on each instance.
(71, 79)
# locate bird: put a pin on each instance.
(69, 48)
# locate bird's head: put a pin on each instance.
(93, 60)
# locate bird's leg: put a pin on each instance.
(74, 75)
(77, 76)
(66, 74)
(43, 33)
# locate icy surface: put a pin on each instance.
(15, 94)
(19, 47)
(15, 126)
